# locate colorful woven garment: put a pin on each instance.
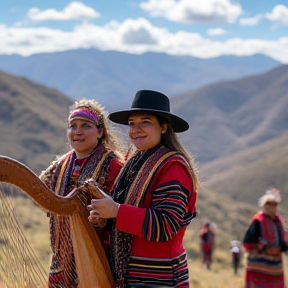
(265, 269)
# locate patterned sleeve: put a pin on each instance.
(46, 175)
(168, 212)
(251, 239)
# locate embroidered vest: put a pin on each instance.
(267, 227)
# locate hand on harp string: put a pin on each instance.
(102, 205)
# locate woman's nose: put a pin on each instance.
(136, 127)
(78, 131)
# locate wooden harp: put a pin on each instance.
(92, 266)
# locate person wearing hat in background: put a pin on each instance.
(236, 253)
(94, 154)
(154, 197)
(264, 242)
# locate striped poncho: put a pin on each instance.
(158, 206)
(264, 244)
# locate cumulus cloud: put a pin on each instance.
(252, 21)
(133, 36)
(138, 32)
(279, 15)
(188, 11)
(74, 11)
(216, 31)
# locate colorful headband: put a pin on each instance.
(83, 112)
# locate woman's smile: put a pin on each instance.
(145, 130)
(83, 136)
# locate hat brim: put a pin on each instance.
(178, 124)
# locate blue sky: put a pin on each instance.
(199, 28)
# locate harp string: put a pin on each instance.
(19, 265)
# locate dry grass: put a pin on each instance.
(221, 275)
(217, 277)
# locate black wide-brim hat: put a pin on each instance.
(153, 102)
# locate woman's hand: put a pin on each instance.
(96, 219)
(104, 208)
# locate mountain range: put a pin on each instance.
(234, 115)
(112, 77)
(224, 117)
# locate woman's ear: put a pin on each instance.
(100, 133)
(164, 128)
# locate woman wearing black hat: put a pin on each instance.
(154, 198)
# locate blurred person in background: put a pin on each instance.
(264, 242)
(235, 249)
(207, 237)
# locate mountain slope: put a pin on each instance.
(32, 121)
(113, 77)
(232, 116)
(246, 175)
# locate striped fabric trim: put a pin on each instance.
(168, 214)
(265, 264)
(99, 165)
(62, 171)
(140, 183)
(158, 272)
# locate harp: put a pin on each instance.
(92, 266)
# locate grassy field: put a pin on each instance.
(218, 276)
(221, 274)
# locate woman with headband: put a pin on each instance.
(94, 154)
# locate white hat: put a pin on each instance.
(272, 194)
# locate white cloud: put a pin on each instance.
(74, 11)
(279, 14)
(133, 36)
(188, 11)
(252, 21)
(216, 31)
(138, 32)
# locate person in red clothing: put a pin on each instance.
(264, 242)
(94, 155)
(154, 197)
(207, 235)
